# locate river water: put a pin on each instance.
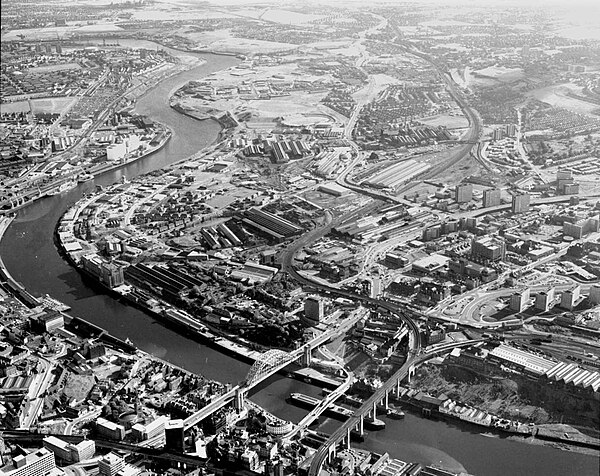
(31, 257)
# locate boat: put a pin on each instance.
(352, 400)
(395, 413)
(62, 188)
(85, 178)
(375, 424)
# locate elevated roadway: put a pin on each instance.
(237, 394)
(381, 394)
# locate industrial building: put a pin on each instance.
(275, 227)
(107, 272)
(398, 174)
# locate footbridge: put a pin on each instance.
(380, 398)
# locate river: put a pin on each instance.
(31, 257)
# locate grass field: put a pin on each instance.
(45, 105)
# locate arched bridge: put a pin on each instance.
(264, 366)
(267, 364)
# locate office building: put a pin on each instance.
(314, 310)
(82, 451)
(544, 299)
(150, 430)
(38, 463)
(492, 197)
(431, 232)
(488, 249)
(110, 465)
(582, 227)
(519, 300)
(520, 203)
(570, 298)
(595, 294)
(375, 287)
(175, 436)
(249, 460)
(60, 448)
(110, 430)
(463, 193)
(68, 452)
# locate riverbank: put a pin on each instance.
(562, 437)
(72, 248)
(107, 167)
(78, 324)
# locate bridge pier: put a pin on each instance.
(348, 439)
(411, 373)
(398, 388)
(361, 425)
(238, 401)
(387, 401)
(307, 356)
(331, 453)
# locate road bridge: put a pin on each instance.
(380, 397)
(268, 364)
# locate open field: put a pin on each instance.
(451, 122)
(557, 95)
(52, 33)
(44, 105)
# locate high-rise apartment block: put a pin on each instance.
(520, 203)
(491, 197)
(519, 300)
(543, 299)
(571, 298)
(463, 193)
